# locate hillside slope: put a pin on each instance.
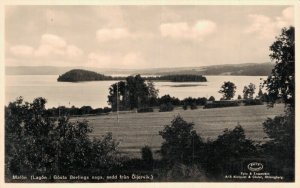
(76, 75)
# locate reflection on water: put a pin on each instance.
(95, 93)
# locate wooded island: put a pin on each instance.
(80, 75)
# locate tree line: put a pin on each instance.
(75, 111)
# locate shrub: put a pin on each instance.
(211, 98)
(281, 146)
(166, 99)
(220, 104)
(182, 172)
(196, 101)
(181, 142)
(107, 110)
(185, 107)
(239, 97)
(147, 157)
(249, 102)
(142, 110)
(166, 107)
(194, 106)
(224, 155)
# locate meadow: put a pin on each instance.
(135, 130)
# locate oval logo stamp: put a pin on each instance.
(255, 166)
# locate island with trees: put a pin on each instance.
(77, 75)
(80, 75)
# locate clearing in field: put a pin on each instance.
(135, 130)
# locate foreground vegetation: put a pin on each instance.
(37, 144)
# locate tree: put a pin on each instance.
(228, 90)
(281, 83)
(181, 142)
(36, 143)
(147, 156)
(135, 92)
(249, 91)
(29, 137)
(152, 93)
(225, 154)
(116, 92)
(260, 94)
(211, 98)
(281, 146)
(168, 99)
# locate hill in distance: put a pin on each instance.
(249, 69)
(76, 75)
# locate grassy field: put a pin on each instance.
(136, 130)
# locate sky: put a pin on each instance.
(137, 37)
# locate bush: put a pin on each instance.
(185, 107)
(166, 107)
(142, 110)
(211, 98)
(107, 110)
(194, 106)
(181, 142)
(197, 101)
(220, 104)
(239, 97)
(166, 99)
(224, 155)
(281, 146)
(147, 157)
(182, 172)
(249, 102)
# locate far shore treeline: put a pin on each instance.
(80, 75)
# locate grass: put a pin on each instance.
(135, 130)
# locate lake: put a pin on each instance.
(95, 93)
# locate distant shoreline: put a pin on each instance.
(243, 69)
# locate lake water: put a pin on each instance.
(95, 93)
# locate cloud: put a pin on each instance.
(73, 51)
(262, 25)
(51, 48)
(53, 40)
(286, 19)
(199, 30)
(266, 27)
(22, 50)
(50, 45)
(54, 45)
(108, 34)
